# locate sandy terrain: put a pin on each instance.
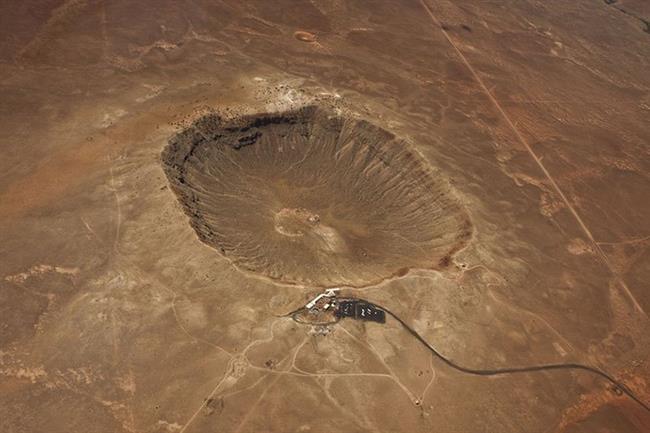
(133, 302)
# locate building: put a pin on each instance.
(329, 293)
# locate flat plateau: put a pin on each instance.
(127, 308)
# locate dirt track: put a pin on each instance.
(115, 316)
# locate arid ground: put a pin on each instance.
(177, 176)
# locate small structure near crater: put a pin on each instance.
(326, 308)
(329, 294)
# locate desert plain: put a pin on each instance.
(178, 176)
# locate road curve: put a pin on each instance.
(513, 370)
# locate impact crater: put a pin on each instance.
(311, 197)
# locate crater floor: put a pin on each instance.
(310, 197)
